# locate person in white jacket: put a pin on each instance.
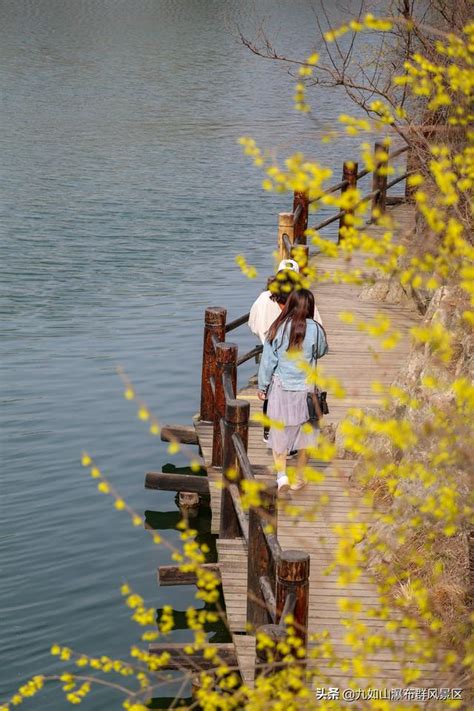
(268, 306)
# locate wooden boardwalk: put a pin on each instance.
(357, 360)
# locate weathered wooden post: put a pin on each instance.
(261, 560)
(300, 216)
(292, 576)
(379, 181)
(349, 177)
(214, 328)
(285, 226)
(225, 361)
(237, 415)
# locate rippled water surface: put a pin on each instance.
(124, 200)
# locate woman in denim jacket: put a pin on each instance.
(292, 338)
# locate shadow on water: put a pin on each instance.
(172, 469)
(218, 629)
(169, 520)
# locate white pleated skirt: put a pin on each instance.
(289, 407)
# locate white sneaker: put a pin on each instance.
(283, 485)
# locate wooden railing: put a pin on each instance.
(277, 580)
(291, 225)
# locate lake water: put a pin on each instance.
(125, 199)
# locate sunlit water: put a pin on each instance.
(125, 199)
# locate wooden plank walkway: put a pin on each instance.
(357, 360)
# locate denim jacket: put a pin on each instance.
(276, 361)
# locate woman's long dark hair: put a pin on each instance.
(298, 308)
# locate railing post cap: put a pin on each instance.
(226, 351)
(380, 146)
(293, 566)
(350, 165)
(285, 218)
(215, 315)
(237, 411)
(294, 556)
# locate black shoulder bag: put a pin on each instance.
(317, 400)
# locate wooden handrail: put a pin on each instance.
(298, 212)
(289, 607)
(240, 513)
(212, 385)
(278, 580)
(399, 152)
(228, 385)
(291, 234)
(297, 249)
(360, 175)
(286, 243)
(237, 322)
(250, 354)
(268, 596)
(272, 542)
(266, 593)
(400, 178)
(328, 221)
(247, 473)
(378, 194)
(369, 196)
(261, 557)
(222, 428)
(241, 452)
